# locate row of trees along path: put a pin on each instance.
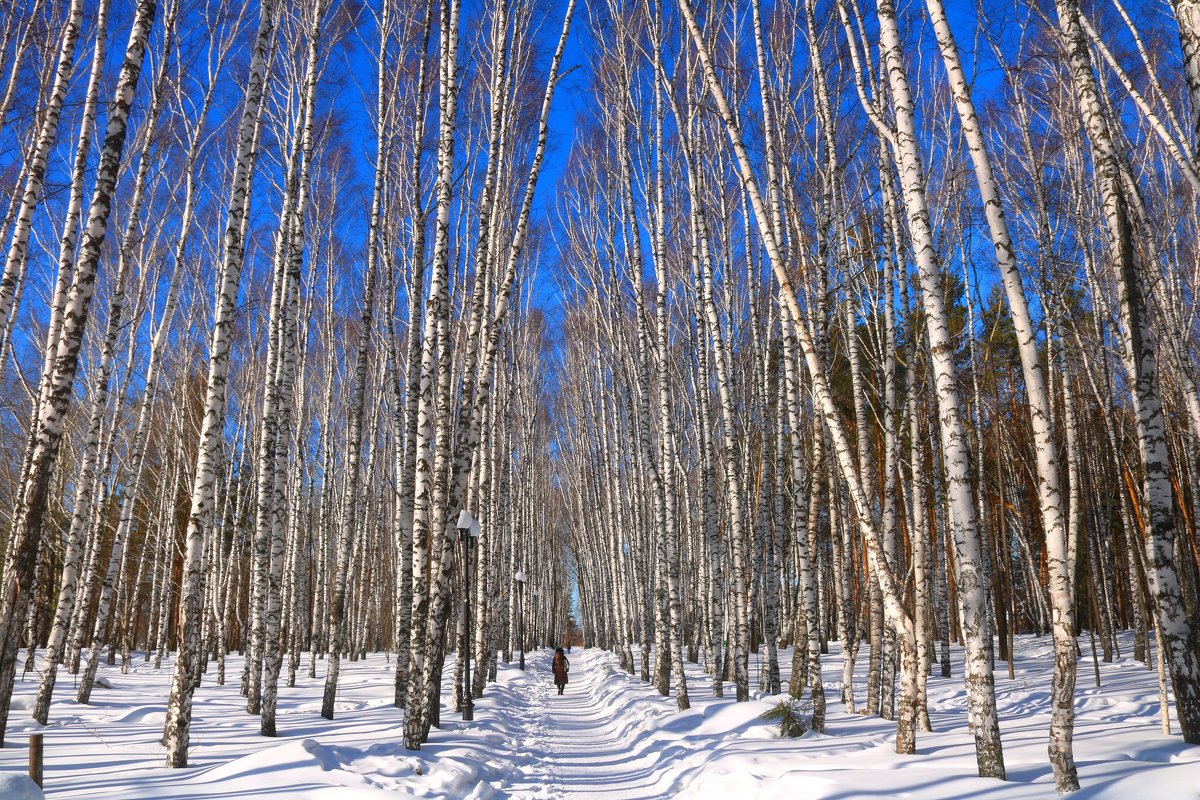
(812, 339)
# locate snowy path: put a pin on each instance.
(612, 737)
(577, 744)
(609, 737)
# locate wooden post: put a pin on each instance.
(35, 757)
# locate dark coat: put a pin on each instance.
(560, 666)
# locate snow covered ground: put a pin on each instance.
(609, 736)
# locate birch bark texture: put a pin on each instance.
(1177, 629)
(179, 709)
(59, 383)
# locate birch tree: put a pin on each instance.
(45, 441)
(1177, 630)
(183, 686)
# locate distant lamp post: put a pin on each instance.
(519, 577)
(468, 533)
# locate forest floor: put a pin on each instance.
(609, 736)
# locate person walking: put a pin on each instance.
(561, 667)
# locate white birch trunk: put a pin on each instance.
(89, 462)
(1048, 472)
(905, 734)
(31, 195)
(354, 432)
(179, 710)
(1178, 631)
(48, 431)
(971, 582)
(289, 334)
(1187, 14)
(417, 712)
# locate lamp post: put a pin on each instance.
(468, 533)
(519, 577)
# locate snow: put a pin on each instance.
(15, 786)
(609, 736)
